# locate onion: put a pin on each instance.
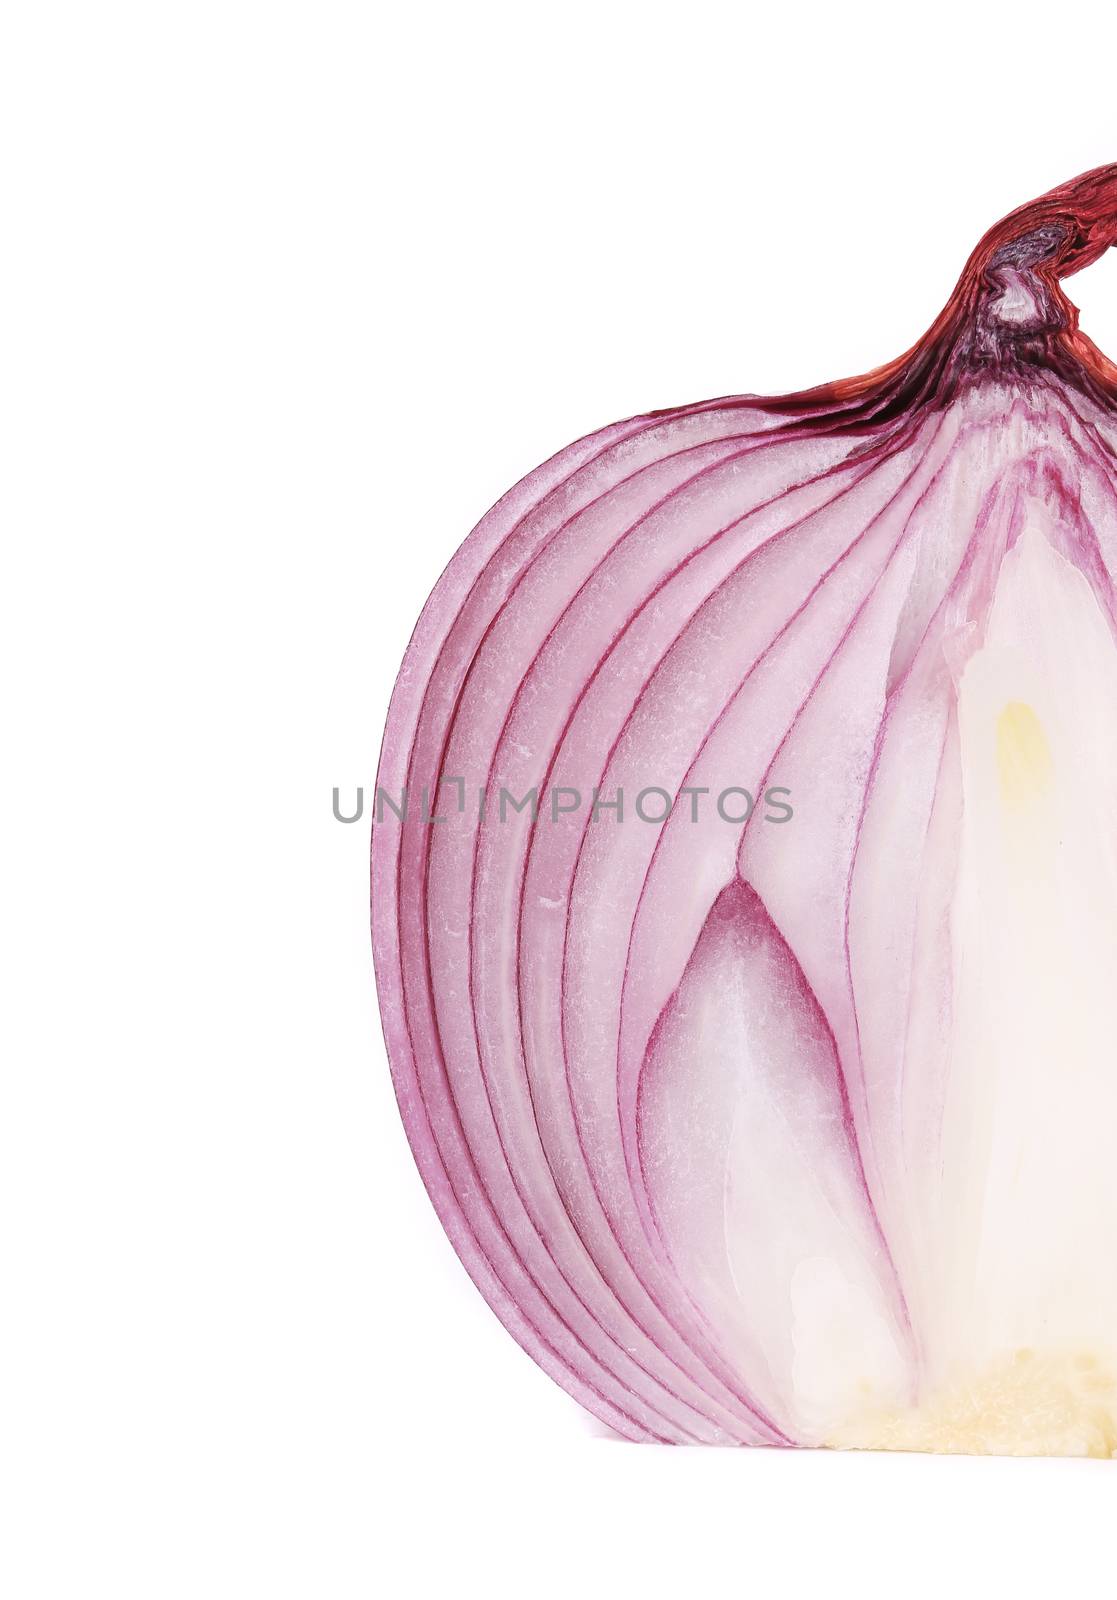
(745, 893)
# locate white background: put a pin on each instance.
(291, 293)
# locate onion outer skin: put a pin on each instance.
(739, 592)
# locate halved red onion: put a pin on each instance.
(764, 1075)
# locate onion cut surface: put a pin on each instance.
(745, 893)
